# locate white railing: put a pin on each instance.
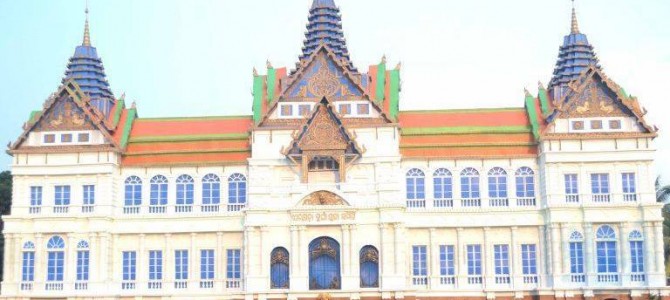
(183, 208)
(498, 202)
(157, 209)
(233, 283)
(87, 208)
(572, 198)
(447, 279)
(416, 203)
(180, 284)
(471, 202)
(155, 285)
(630, 197)
(131, 210)
(128, 285)
(236, 207)
(26, 286)
(637, 277)
(81, 285)
(525, 201)
(61, 209)
(35, 210)
(209, 208)
(578, 278)
(474, 279)
(420, 280)
(443, 203)
(530, 279)
(53, 286)
(206, 284)
(608, 277)
(502, 279)
(600, 198)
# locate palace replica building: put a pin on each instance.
(327, 190)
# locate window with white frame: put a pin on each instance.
(576, 245)
(571, 188)
(207, 264)
(89, 195)
(501, 263)
(129, 265)
(415, 184)
(158, 191)
(185, 190)
(636, 241)
(55, 259)
(211, 190)
(528, 261)
(237, 189)
(233, 264)
(28, 262)
(62, 195)
(82, 261)
(419, 265)
(181, 265)
(606, 252)
(447, 262)
(133, 191)
(155, 267)
(600, 187)
(525, 182)
(35, 199)
(628, 185)
(474, 260)
(442, 188)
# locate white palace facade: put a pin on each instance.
(328, 190)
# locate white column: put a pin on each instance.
(94, 257)
(346, 258)
(514, 260)
(542, 257)
(103, 252)
(168, 261)
(624, 253)
(302, 246)
(433, 259)
(555, 254)
(294, 252)
(40, 258)
(220, 260)
(114, 253)
(649, 253)
(488, 271)
(70, 260)
(194, 266)
(142, 266)
(461, 266)
(660, 261)
(11, 263)
(354, 249)
(399, 249)
(384, 252)
(589, 256)
(265, 253)
(565, 242)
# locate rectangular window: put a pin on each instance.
(304, 109)
(206, 264)
(501, 259)
(83, 137)
(596, 124)
(606, 257)
(637, 257)
(345, 109)
(474, 256)
(600, 183)
(419, 267)
(442, 187)
(286, 110)
(55, 265)
(363, 109)
(66, 138)
(415, 188)
(62, 195)
(35, 196)
(447, 267)
(129, 265)
(89, 194)
(155, 265)
(628, 184)
(28, 268)
(82, 265)
(528, 259)
(181, 264)
(233, 268)
(571, 184)
(576, 258)
(49, 138)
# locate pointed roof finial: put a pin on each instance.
(87, 34)
(574, 29)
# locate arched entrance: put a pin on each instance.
(324, 264)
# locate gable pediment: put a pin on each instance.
(593, 98)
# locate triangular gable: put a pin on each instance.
(592, 94)
(67, 109)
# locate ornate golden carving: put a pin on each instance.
(323, 198)
(608, 109)
(584, 108)
(323, 133)
(64, 116)
(279, 257)
(324, 82)
(323, 248)
(323, 296)
(369, 255)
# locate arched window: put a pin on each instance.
(184, 193)
(416, 190)
(470, 187)
(442, 188)
(324, 264)
(211, 190)
(576, 245)
(636, 255)
(498, 183)
(82, 261)
(159, 193)
(237, 191)
(55, 258)
(279, 267)
(133, 191)
(28, 262)
(525, 183)
(369, 260)
(606, 251)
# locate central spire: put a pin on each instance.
(87, 34)
(574, 28)
(325, 27)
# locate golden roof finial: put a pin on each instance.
(574, 29)
(87, 35)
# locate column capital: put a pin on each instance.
(142, 235)
(219, 233)
(648, 224)
(167, 235)
(459, 229)
(432, 230)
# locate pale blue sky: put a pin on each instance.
(189, 58)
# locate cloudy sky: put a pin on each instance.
(191, 58)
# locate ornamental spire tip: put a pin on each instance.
(87, 34)
(574, 28)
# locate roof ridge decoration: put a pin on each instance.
(323, 134)
(59, 113)
(594, 94)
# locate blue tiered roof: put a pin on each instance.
(574, 56)
(85, 67)
(325, 26)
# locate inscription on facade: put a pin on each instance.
(321, 217)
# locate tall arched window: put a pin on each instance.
(133, 191)
(576, 245)
(82, 262)
(442, 188)
(55, 258)
(211, 193)
(184, 193)
(279, 267)
(324, 264)
(636, 256)
(470, 187)
(237, 192)
(416, 190)
(158, 198)
(606, 254)
(498, 187)
(525, 186)
(28, 264)
(369, 264)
